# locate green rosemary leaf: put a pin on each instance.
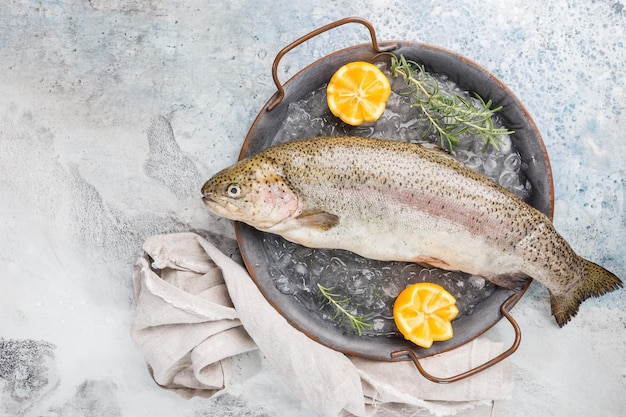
(449, 115)
(340, 306)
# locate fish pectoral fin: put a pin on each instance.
(512, 281)
(318, 220)
(434, 262)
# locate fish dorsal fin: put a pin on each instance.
(439, 151)
(318, 220)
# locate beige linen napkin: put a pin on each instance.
(196, 308)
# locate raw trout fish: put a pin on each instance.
(390, 200)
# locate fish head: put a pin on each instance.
(253, 191)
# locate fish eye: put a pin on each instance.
(233, 190)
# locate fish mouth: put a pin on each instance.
(220, 207)
(210, 201)
(209, 196)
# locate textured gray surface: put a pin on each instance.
(113, 113)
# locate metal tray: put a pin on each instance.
(469, 76)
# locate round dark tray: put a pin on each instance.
(471, 77)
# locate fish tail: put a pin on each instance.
(597, 281)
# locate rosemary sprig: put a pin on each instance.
(339, 304)
(449, 114)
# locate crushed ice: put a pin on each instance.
(372, 286)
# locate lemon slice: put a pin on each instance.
(424, 312)
(358, 92)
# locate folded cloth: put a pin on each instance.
(183, 314)
(196, 308)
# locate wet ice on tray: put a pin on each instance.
(372, 286)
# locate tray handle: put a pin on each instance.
(446, 380)
(281, 91)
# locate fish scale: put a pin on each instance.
(440, 198)
(391, 200)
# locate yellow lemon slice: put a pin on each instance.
(423, 313)
(358, 92)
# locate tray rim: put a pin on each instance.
(242, 230)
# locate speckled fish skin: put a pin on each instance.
(390, 200)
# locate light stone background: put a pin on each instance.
(114, 112)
